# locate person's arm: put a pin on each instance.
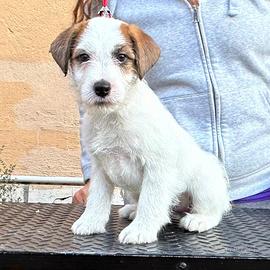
(85, 156)
(80, 196)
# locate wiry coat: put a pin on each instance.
(134, 142)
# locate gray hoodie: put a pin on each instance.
(214, 77)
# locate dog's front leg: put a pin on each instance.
(97, 211)
(153, 207)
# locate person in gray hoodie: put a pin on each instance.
(213, 76)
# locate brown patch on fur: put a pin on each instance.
(146, 50)
(128, 50)
(63, 46)
(129, 65)
(194, 2)
(86, 9)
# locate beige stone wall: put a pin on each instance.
(38, 112)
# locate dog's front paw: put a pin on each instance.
(128, 211)
(198, 222)
(137, 234)
(86, 226)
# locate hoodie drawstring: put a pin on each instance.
(233, 8)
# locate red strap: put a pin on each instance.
(104, 3)
(105, 12)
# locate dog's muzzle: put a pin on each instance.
(102, 88)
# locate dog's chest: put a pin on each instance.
(119, 155)
(124, 170)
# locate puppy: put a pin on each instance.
(135, 143)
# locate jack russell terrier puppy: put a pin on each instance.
(134, 142)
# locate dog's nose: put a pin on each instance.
(102, 88)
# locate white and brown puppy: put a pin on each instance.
(134, 142)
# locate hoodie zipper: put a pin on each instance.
(195, 14)
(218, 146)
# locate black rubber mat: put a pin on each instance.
(38, 236)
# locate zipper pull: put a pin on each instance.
(195, 14)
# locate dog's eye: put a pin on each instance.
(83, 57)
(121, 57)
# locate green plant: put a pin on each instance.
(7, 186)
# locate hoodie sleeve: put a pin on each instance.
(85, 156)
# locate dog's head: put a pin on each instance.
(105, 58)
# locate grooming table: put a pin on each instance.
(38, 236)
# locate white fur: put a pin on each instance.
(137, 145)
(98, 40)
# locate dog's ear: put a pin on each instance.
(146, 50)
(61, 48)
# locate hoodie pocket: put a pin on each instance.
(245, 123)
(193, 114)
(236, 7)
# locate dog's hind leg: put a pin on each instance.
(209, 197)
(129, 210)
(153, 210)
